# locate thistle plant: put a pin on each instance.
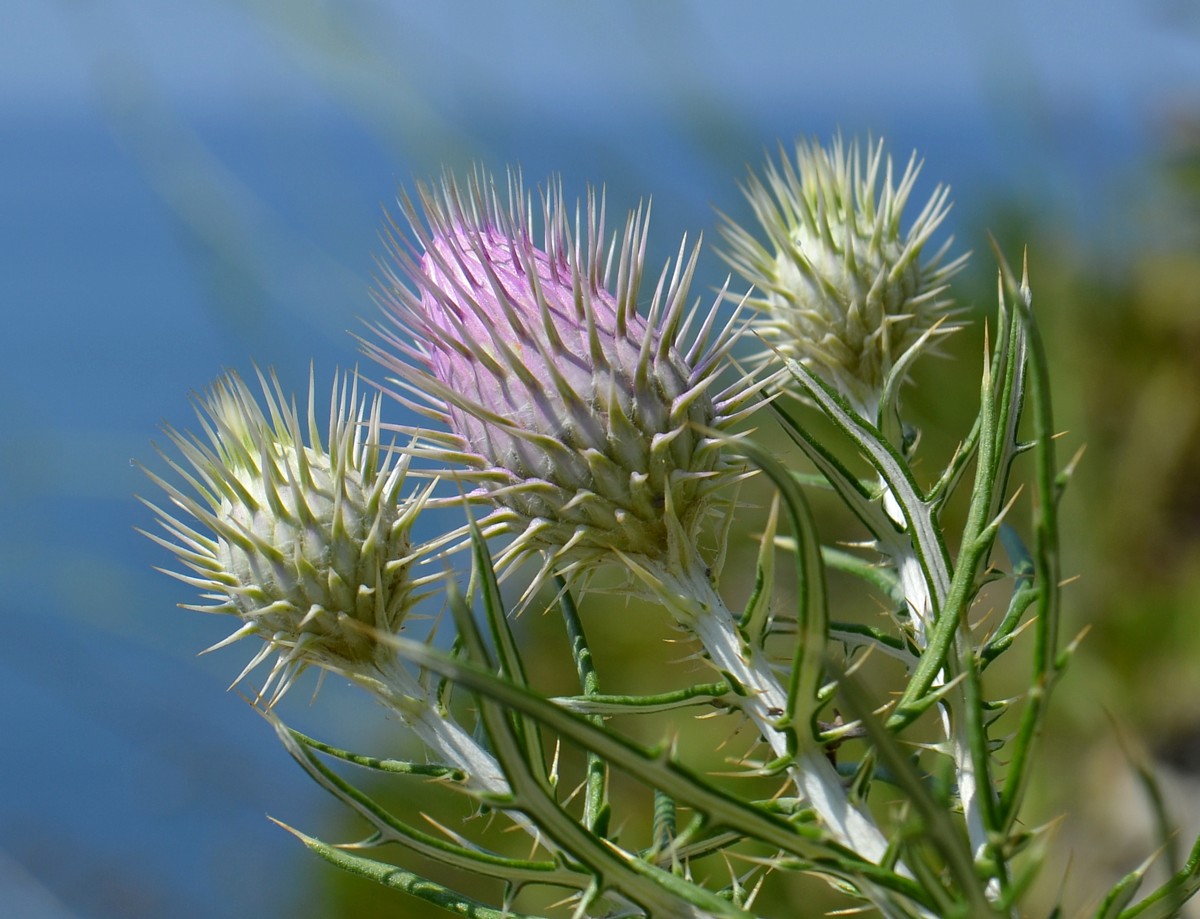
(594, 436)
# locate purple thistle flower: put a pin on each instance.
(595, 431)
(588, 425)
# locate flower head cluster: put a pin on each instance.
(588, 425)
(295, 538)
(841, 286)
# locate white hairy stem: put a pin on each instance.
(699, 607)
(920, 609)
(447, 741)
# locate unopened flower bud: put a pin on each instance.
(295, 539)
(842, 287)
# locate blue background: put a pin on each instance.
(190, 186)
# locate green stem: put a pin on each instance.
(595, 803)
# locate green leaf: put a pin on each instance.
(755, 618)
(407, 881)
(855, 633)
(1124, 891)
(811, 612)
(1165, 902)
(806, 842)
(1046, 570)
(873, 573)
(507, 650)
(919, 523)
(390, 766)
(859, 499)
(935, 825)
(390, 829)
(611, 704)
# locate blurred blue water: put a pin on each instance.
(143, 249)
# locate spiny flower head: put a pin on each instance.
(842, 287)
(588, 425)
(294, 539)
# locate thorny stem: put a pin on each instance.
(698, 606)
(445, 738)
(920, 606)
(692, 598)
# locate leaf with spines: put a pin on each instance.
(655, 768)
(658, 892)
(1165, 902)
(389, 828)
(409, 882)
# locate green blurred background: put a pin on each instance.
(188, 186)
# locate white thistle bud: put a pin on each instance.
(588, 425)
(842, 287)
(295, 539)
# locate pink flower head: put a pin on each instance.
(588, 425)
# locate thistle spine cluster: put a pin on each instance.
(588, 425)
